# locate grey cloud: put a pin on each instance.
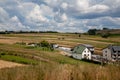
(3, 15)
(59, 15)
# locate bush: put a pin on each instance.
(44, 44)
(2, 53)
(105, 35)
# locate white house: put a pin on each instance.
(83, 51)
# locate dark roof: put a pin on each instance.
(113, 48)
(87, 45)
(116, 48)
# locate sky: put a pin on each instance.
(59, 15)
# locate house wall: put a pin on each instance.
(86, 54)
(107, 54)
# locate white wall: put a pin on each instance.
(87, 53)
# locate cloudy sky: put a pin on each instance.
(59, 15)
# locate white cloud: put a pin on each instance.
(16, 23)
(98, 8)
(64, 5)
(82, 4)
(64, 17)
(61, 15)
(36, 15)
(13, 24)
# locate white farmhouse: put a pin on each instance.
(83, 51)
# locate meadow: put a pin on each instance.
(44, 64)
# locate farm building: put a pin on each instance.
(31, 44)
(55, 46)
(96, 58)
(111, 53)
(83, 51)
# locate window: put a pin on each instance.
(105, 54)
(105, 51)
(114, 54)
(85, 51)
(84, 54)
(114, 58)
(88, 54)
(118, 54)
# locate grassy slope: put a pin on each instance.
(62, 67)
(53, 56)
(18, 59)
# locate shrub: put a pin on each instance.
(105, 35)
(79, 35)
(44, 44)
(2, 53)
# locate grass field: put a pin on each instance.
(18, 59)
(51, 65)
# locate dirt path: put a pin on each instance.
(7, 64)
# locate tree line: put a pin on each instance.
(104, 32)
(9, 32)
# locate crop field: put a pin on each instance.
(45, 64)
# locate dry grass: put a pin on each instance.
(7, 64)
(61, 72)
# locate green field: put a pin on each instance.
(18, 59)
(44, 64)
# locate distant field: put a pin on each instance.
(51, 63)
(69, 40)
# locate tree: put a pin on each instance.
(92, 31)
(44, 44)
(105, 28)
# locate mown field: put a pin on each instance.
(43, 64)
